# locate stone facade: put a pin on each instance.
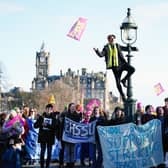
(92, 85)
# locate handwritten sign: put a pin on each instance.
(131, 146)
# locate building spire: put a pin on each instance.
(42, 46)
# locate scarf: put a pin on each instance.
(113, 57)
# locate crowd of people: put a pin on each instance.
(15, 127)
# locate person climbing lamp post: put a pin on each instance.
(129, 36)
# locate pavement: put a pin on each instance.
(56, 165)
(77, 164)
(52, 165)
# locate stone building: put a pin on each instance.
(43, 79)
(92, 85)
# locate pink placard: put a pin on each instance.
(77, 29)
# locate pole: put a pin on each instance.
(130, 103)
(129, 88)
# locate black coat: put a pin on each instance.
(46, 133)
(56, 116)
(99, 121)
(121, 60)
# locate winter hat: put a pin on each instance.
(51, 99)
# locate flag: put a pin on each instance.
(158, 89)
(77, 29)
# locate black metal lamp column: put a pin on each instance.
(128, 37)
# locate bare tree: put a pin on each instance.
(63, 94)
(4, 87)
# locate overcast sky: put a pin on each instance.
(24, 25)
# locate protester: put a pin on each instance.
(86, 148)
(62, 143)
(46, 137)
(115, 60)
(32, 114)
(100, 119)
(3, 143)
(79, 109)
(25, 114)
(2, 119)
(139, 113)
(13, 128)
(147, 116)
(30, 139)
(165, 107)
(56, 114)
(163, 120)
(164, 127)
(118, 116)
(70, 147)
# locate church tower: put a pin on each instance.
(42, 69)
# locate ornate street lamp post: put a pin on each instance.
(129, 37)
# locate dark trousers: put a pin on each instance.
(61, 153)
(88, 150)
(61, 156)
(49, 150)
(99, 159)
(117, 71)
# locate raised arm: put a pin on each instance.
(100, 54)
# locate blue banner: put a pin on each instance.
(31, 141)
(131, 146)
(76, 132)
(33, 147)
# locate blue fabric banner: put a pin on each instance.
(33, 147)
(76, 132)
(31, 141)
(131, 146)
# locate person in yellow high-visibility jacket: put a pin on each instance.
(115, 60)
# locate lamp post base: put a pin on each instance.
(129, 108)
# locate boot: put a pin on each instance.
(83, 163)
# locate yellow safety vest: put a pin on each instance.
(113, 56)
